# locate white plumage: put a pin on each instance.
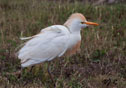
(48, 44)
(52, 41)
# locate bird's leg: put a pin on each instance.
(50, 74)
(30, 72)
(31, 69)
(19, 73)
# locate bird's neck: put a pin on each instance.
(73, 29)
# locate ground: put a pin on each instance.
(100, 64)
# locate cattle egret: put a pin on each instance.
(54, 41)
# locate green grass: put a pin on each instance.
(101, 63)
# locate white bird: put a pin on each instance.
(54, 41)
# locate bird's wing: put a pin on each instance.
(51, 42)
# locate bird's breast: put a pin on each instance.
(74, 45)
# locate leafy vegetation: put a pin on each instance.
(100, 64)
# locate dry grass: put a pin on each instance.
(101, 63)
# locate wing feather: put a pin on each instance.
(51, 42)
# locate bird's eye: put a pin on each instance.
(82, 22)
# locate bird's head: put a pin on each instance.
(77, 21)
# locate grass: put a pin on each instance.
(101, 63)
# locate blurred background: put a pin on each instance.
(101, 62)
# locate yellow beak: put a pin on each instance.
(91, 23)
